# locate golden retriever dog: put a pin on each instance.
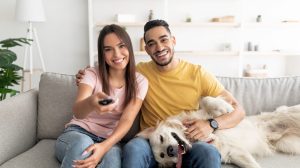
(254, 136)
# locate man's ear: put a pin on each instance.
(174, 40)
(147, 49)
(146, 133)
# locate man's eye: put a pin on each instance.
(164, 40)
(150, 44)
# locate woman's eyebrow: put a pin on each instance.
(121, 43)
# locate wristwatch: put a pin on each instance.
(213, 124)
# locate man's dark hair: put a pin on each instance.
(155, 23)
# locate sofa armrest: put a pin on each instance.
(18, 124)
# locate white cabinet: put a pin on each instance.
(201, 41)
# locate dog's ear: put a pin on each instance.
(146, 132)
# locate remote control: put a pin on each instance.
(106, 101)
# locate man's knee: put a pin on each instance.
(137, 145)
(204, 149)
(137, 153)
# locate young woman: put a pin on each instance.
(91, 137)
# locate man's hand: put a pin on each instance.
(80, 75)
(97, 152)
(198, 129)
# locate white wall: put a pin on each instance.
(63, 37)
(269, 38)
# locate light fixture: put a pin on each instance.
(31, 11)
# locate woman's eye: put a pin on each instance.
(107, 49)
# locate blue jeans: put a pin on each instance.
(137, 153)
(70, 145)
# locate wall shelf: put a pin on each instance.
(178, 24)
(271, 24)
(202, 38)
(269, 53)
(192, 53)
(197, 53)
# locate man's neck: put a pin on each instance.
(172, 65)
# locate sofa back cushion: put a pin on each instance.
(57, 94)
(56, 97)
(263, 94)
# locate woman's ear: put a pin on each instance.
(146, 133)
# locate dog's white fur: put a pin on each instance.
(255, 136)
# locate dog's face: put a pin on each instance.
(167, 141)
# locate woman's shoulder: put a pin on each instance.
(93, 71)
(142, 85)
(140, 78)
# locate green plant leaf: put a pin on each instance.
(9, 75)
(7, 57)
(12, 42)
(5, 91)
(13, 67)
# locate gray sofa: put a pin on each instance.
(31, 121)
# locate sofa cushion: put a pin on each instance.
(279, 160)
(18, 117)
(263, 94)
(57, 94)
(40, 156)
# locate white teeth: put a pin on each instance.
(118, 60)
(162, 53)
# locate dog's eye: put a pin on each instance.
(161, 139)
(162, 155)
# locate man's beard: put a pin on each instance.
(166, 63)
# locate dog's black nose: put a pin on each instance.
(171, 151)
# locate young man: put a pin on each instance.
(175, 86)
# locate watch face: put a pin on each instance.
(214, 124)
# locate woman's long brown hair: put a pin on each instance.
(130, 77)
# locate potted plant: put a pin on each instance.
(9, 75)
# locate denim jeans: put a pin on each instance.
(70, 145)
(137, 153)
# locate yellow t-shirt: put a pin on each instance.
(172, 92)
